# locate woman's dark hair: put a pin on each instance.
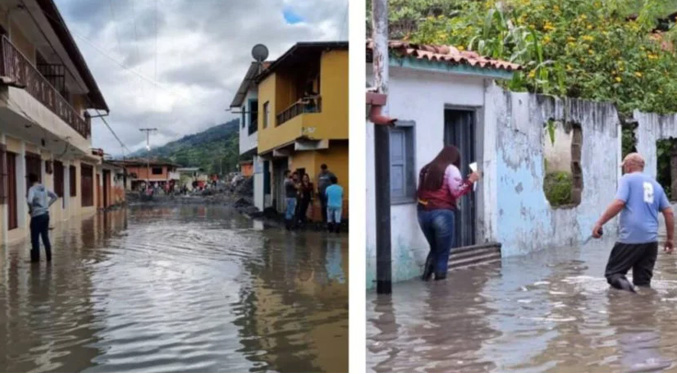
(433, 173)
(32, 178)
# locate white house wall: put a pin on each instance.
(421, 97)
(247, 142)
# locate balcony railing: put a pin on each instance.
(21, 72)
(306, 105)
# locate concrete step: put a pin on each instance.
(475, 255)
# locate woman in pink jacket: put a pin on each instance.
(440, 186)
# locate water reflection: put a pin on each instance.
(175, 289)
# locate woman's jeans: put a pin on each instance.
(291, 208)
(40, 228)
(438, 228)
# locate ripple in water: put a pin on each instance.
(175, 290)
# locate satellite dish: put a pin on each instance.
(260, 52)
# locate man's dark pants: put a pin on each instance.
(641, 258)
(40, 227)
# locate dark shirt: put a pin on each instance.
(290, 188)
(306, 191)
(324, 181)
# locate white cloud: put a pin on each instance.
(203, 51)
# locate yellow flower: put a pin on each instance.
(618, 79)
(569, 68)
(588, 38)
(461, 48)
(546, 39)
(532, 73)
(590, 51)
(638, 74)
(589, 27)
(571, 39)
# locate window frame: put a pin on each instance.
(408, 128)
(266, 114)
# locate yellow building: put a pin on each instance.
(46, 90)
(303, 117)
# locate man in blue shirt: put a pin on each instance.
(639, 199)
(334, 205)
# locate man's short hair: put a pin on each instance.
(634, 158)
(32, 178)
(286, 172)
(333, 179)
(323, 167)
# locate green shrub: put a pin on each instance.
(558, 187)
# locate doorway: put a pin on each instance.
(459, 130)
(13, 218)
(279, 167)
(106, 188)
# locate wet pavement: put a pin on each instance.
(176, 289)
(547, 312)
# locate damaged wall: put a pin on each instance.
(652, 128)
(526, 221)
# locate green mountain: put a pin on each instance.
(215, 150)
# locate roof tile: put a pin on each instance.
(445, 53)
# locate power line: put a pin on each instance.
(345, 22)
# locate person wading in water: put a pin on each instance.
(638, 200)
(39, 200)
(440, 185)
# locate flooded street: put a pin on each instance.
(170, 289)
(551, 311)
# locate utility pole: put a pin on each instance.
(382, 150)
(148, 131)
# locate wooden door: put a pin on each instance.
(13, 218)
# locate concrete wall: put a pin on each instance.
(65, 209)
(526, 222)
(421, 97)
(258, 183)
(652, 128)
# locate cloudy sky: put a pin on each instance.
(184, 59)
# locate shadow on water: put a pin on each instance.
(551, 311)
(176, 289)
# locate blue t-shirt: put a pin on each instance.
(334, 196)
(643, 198)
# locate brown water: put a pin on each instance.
(176, 289)
(547, 312)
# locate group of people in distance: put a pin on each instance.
(300, 191)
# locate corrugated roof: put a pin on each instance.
(248, 81)
(443, 53)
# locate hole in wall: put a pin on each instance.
(666, 166)
(562, 146)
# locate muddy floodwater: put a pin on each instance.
(176, 289)
(547, 312)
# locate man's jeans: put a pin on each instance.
(40, 227)
(438, 228)
(291, 208)
(334, 214)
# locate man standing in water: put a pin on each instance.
(290, 192)
(39, 200)
(639, 199)
(324, 181)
